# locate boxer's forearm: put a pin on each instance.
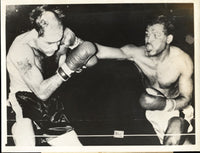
(182, 102)
(78, 58)
(34, 79)
(47, 87)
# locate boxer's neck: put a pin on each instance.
(162, 56)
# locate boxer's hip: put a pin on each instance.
(48, 115)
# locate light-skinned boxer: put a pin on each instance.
(30, 94)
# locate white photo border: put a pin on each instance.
(195, 147)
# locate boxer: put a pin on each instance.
(31, 92)
(167, 74)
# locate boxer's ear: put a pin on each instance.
(170, 38)
(43, 23)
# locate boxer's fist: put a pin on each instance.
(152, 99)
(81, 56)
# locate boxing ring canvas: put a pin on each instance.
(101, 102)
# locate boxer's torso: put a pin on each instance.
(163, 75)
(16, 81)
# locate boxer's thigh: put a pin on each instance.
(23, 133)
(176, 126)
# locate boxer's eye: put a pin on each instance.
(157, 35)
(50, 43)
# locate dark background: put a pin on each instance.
(105, 97)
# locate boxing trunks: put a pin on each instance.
(159, 119)
(47, 115)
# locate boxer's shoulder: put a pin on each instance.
(20, 51)
(177, 52)
(179, 55)
(130, 47)
(181, 59)
(25, 37)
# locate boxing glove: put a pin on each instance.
(152, 99)
(81, 55)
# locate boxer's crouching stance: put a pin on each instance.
(40, 110)
(31, 95)
(167, 76)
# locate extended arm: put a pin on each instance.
(126, 52)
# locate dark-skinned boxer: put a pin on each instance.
(167, 76)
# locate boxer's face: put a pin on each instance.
(155, 39)
(49, 42)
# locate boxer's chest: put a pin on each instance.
(167, 75)
(160, 75)
(164, 75)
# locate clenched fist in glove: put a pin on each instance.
(80, 55)
(153, 99)
(83, 55)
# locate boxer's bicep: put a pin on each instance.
(134, 53)
(185, 89)
(34, 79)
(24, 62)
(31, 75)
(185, 85)
(105, 52)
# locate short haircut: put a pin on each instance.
(37, 13)
(166, 21)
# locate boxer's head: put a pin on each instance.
(158, 35)
(48, 24)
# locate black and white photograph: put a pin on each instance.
(104, 75)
